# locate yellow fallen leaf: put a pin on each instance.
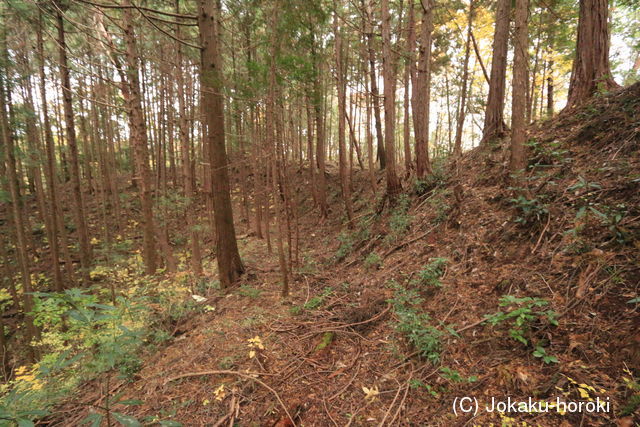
(370, 394)
(583, 393)
(256, 342)
(219, 393)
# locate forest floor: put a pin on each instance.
(466, 287)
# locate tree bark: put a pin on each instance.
(189, 181)
(389, 76)
(409, 72)
(494, 126)
(375, 94)
(229, 263)
(140, 142)
(342, 115)
(18, 220)
(78, 205)
(591, 70)
(422, 92)
(518, 106)
(457, 150)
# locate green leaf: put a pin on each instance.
(22, 422)
(126, 420)
(170, 423)
(94, 419)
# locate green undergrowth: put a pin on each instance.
(106, 327)
(421, 331)
(522, 316)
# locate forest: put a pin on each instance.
(319, 212)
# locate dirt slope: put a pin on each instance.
(571, 240)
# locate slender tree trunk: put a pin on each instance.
(78, 205)
(229, 264)
(550, 101)
(517, 161)
(342, 115)
(320, 132)
(494, 126)
(140, 143)
(457, 150)
(408, 78)
(389, 76)
(18, 220)
(375, 95)
(187, 167)
(422, 92)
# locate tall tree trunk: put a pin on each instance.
(187, 166)
(494, 126)
(457, 150)
(389, 76)
(342, 115)
(422, 92)
(18, 220)
(273, 136)
(78, 205)
(369, 135)
(375, 95)
(591, 70)
(229, 263)
(550, 101)
(409, 80)
(517, 161)
(140, 143)
(320, 130)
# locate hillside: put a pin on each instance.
(466, 287)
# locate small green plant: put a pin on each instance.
(373, 260)
(107, 413)
(612, 217)
(455, 377)
(530, 211)
(346, 245)
(546, 154)
(227, 362)
(400, 219)
(414, 324)
(318, 300)
(437, 178)
(417, 384)
(439, 204)
(541, 353)
(430, 274)
(204, 286)
(583, 184)
(521, 315)
(633, 401)
(249, 291)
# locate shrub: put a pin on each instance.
(521, 316)
(414, 324)
(430, 274)
(372, 260)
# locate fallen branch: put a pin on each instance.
(464, 328)
(408, 242)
